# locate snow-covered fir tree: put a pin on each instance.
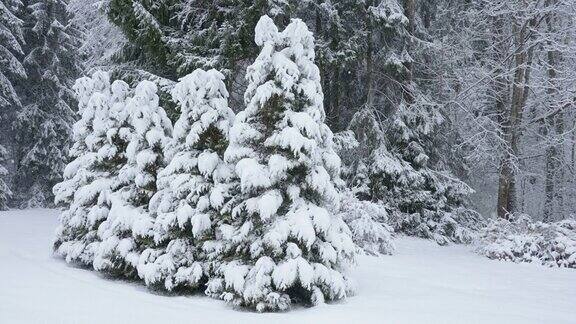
(423, 201)
(100, 138)
(44, 124)
(127, 229)
(86, 181)
(192, 188)
(282, 241)
(114, 130)
(397, 163)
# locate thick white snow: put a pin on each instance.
(421, 283)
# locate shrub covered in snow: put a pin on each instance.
(282, 240)
(368, 223)
(523, 240)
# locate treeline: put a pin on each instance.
(39, 61)
(475, 90)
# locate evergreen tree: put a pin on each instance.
(102, 41)
(361, 46)
(191, 189)
(89, 178)
(11, 70)
(282, 241)
(424, 201)
(126, 230)
(44, 123)
(173, 38)
(367, 219)
(398, 160)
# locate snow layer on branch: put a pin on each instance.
(266, 31)
(390, 12)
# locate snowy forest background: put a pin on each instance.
(496, 79)
(443, 119)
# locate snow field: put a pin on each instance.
(421, 283)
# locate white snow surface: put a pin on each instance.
(421, 283)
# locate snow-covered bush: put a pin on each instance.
(126, 231)
(522, 240)
(283, 240)
(191, 189)
(368, 222)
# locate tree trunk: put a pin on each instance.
(555, 128)
(501, 94)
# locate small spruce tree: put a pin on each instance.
(85, 180)
(191, 189)
(423, 201)
(283, 241)
(126, 230)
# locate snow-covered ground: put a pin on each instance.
(422, 283)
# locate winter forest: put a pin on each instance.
(267, 153)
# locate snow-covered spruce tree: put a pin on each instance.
(44, 124)
(423, 201)
(127, 229)
(85, 182)
(282, 241)
(100, 138)
(191, 189)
